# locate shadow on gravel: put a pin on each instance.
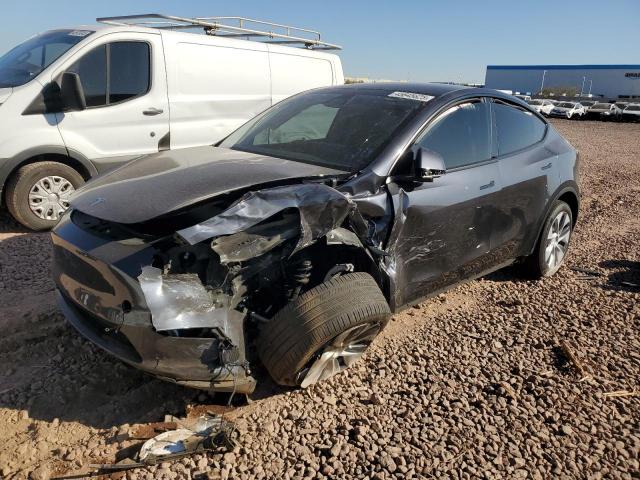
(625, 277)
(9, 225)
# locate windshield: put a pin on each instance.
(588, 104)
(633, 108)
(567, 105)
(344, 130)
(535, 102)
(27, 60)
(602, 105)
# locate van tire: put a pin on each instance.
(298, 333)
(21, 183)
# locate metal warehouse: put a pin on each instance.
(606, 81)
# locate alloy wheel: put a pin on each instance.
(342, 352)
(557, 241)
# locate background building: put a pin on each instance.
(606, 81)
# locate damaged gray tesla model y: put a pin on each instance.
(292, 241)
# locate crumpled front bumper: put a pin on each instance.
(98, 292)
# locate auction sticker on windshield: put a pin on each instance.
(411, 96)
(79, 33)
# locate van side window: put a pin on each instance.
(461, 134)
(92, 69)
(516, 128)
(114, 72)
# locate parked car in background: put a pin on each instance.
(587, 104)
(522, 97)
(541, 106)
(568, 110)
(293, 241)
(605, 111)
(84, 100)
(631, 113)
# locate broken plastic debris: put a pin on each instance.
(197, 435)
(181, 301)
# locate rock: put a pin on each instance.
(41, 473)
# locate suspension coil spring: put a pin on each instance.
(300, 276)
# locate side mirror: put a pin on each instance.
(72, 93)
(429, 165)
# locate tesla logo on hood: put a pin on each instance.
(97, 201)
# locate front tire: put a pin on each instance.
(553, 244)
(38, 193)
(323, 331)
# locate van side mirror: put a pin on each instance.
(429, 165)
(72, 93)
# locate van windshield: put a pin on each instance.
(343, 130)
(24, 62)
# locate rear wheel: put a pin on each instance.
(324, 331)
(553, 244)
(38, 193)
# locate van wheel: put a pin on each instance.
(324, 331)
(38, 193)
(552, 246)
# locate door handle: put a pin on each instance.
(547, 166)
(152, 111)
(488, 185)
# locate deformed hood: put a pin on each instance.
(161, 183)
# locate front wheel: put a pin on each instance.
(38, 193)
(324, 331)
(553, 244)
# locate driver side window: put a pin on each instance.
(461, 134)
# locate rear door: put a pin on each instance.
(442, 230)
(530, 177)
(124, 81)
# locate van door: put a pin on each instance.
(124, 81)
(215, 85)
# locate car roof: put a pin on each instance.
(433, 89)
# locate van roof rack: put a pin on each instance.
(248, 28)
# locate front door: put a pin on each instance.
(442, 229)
(124, 82)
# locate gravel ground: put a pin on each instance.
(472, 383)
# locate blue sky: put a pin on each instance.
(418, 40)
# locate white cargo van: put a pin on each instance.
(77, 102)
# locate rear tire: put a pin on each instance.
(555, 237)
(300, 335)
(23, 192)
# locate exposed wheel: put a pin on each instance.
(324, 331)
(38, 193)
(553, 243)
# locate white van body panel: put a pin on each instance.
(296, 70)
(25, 133)
(215, 85)
(209, 102)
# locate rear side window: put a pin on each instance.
(461, 135)
(114, 72)
(516, 128)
